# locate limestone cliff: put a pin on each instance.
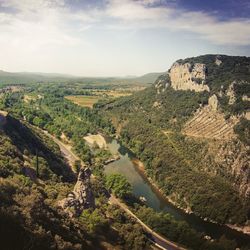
(184, 77)
(188, 77)
(81, 197)
(225, 82)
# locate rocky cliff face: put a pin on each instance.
(81, 197)
(233, 157)
(188, 77)
(228, 81)
(184, 77)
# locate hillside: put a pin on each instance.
(32, 201)
(195, 119)
(7, 78)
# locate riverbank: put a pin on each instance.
(97, 139)
(140, 166)
(243, 229)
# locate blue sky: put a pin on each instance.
(118, 37)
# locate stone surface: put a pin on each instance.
(218, 62)
(213, 102)
(188, 77)
(162, 83)
(230, 93)
(81, 197)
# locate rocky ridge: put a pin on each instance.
(81, 197)
(215, 121)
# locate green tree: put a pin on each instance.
(119, 185)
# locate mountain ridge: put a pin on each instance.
(221, 162)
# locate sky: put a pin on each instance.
(118, 37)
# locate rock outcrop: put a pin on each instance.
(188, 77)
(231, 94)
(218, 62)
(213, 102)
(81, 197)
(233, 157)
(162, 83)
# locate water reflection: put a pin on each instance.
(142, 187)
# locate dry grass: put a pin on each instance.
(98, 139)
(84, 100)
(90, 100)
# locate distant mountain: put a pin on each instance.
(148, 78)
(39, 77)
(30, 77)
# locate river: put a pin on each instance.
(142, 187)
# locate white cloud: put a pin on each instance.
(137, 14)
(50, 35)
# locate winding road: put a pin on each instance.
(154, 237)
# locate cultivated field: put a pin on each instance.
(96, 95)
(84, 100)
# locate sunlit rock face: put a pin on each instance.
(213, 102)
(188, 77)
(81, 197)
(162, 83)
(231, 94)
(218, 62)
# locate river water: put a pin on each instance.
(141, 187)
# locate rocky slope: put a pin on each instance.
(201, 105)
(228, 104)
(208, 122)
(81, 197)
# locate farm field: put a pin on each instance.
(96, 95)
(84, 100)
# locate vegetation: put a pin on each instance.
(233, 68)
(179, 231)
(84, 101)
(152, 120)
(119, 185)
(29, 202)
(243, 130)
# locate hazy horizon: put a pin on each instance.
(112, 38)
